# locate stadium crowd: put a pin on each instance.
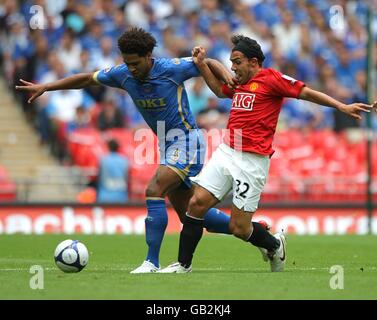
(321, 42)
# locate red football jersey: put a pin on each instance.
(255, 110)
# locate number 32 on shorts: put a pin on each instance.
(242, 189)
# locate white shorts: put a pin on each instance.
(244, 172)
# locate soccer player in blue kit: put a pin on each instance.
(156, 87)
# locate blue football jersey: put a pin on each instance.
(162, 95)
(162, 100)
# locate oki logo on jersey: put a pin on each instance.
(243, 101)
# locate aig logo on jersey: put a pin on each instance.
(243, 101)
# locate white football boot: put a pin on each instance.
(264, 252)
(175, 268)
(279, 256)
(146, 267)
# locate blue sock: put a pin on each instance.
(155, 225)
(216, 221)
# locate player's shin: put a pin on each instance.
(260, 237)
(216, 221)
(155, 225)
(190, 236)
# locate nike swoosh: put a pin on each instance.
(283, 258)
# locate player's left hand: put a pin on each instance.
(354, 109)
(374, 106)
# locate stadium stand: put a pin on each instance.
(324, 165)
(27, 171)
(320, 155)
(8, 190)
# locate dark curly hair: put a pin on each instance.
(249, 47)
(136, 40)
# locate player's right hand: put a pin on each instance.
(35, 89)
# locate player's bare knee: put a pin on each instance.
(153, 190)
(240, 231)
(197, 205)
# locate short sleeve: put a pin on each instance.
(109, 77)
(228, 92)
(183, 69)
(285, 86)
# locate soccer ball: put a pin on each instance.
(71, 256)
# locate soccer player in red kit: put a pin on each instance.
(241, 163)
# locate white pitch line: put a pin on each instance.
(195, 269)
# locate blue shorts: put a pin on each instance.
(185, 155)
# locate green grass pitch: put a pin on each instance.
(224, 268)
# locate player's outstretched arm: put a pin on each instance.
(352, 110)
(77, 81)
(198, 54)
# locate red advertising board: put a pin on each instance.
(130, 220)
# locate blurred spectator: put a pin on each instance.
(209, 12)
(173, 46)
(90, 39)
(306, 67)
(266, 11)
(39, 60)
(219, 32)
(62, 104)
(137, 13)
(288, 36)
(339, 92)
(213, 116)
(69, 51)
(345, 69)
(119, 25)
(60, 110)
(105, 57)
(110, 116)
(86, 64)
(113, 176)
(198, 95)
(251, 28)
(298, 114)
(81, 120)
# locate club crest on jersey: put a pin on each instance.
(176, 61)
(244, 101)
(253, 86)
(106, 70)
(175, 156)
